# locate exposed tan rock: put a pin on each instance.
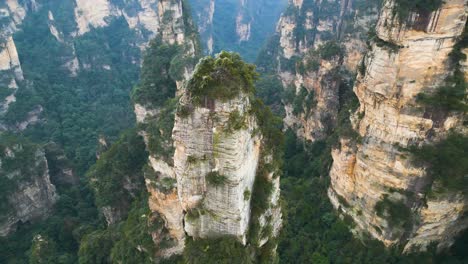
(205, 24)
(389, 119)
(31, 118)
(92, 14)
(53, 29)
(171, 21)
(286, 28)
(164, 200)
(222, 209)
(33, 198)
(443, 221)
(11, 67)
(243, 23)
(317, 117)
(95, 14)
(17, 11)
(9, 59)
(147, 17)
(242, 28)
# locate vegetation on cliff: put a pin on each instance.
(423, 7)
(397, 214)
(452, 95)
(119, 166)
(221, 78)
(77, 109)
(156, 85)
(159, 130)
(314, 233)
(259, 18)
(224, 78)
(128, 242)
(19, 165)
(447, 161)
(224, 250)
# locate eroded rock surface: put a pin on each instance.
(405, 60)
(320, 45)
(30, 194)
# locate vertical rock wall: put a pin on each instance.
(204, 145)
(160, 176)
(320, 44)
(405, 59)
(30, 194)
(11, 72)
(140, 15)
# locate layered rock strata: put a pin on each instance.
(160, 176)
(203, 174)
(221, 156)
(204, 151)
(408, 57)
(319, 46)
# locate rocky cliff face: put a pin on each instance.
(216, 168)
(318, 47)
(205, 153)
(176, 32)
(219, 152)
(27, 192)
(140, 15)
(12, 14)
(74, 35)
(373, 175)
(203, 13)
(12, 73)
(242, 26)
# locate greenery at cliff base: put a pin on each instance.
(313, 232)
(77, 109)
(224, 250)
(127, 242)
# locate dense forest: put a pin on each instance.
(91, 129)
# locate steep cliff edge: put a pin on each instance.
(12, 73)
(219, 146)
(12, 14)
(215, 165)
(375, 177)
(314, 54)
(212, 171)
(169, 61)
(27, 193)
